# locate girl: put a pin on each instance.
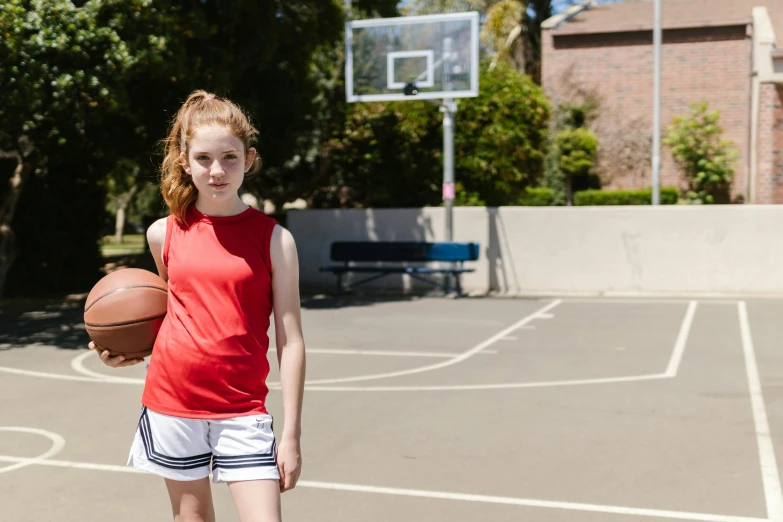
(227, 266)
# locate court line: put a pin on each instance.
(679, 345)
(445, 495)
(450, 362)
(650, 301)
(77, 363)
(769, 468)
(499, 386)
(78, 366)
(58, 443)
(382, 353)
(671, 372)
(46, 375)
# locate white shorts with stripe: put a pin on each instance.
(240, 448)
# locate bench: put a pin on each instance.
(349, 253)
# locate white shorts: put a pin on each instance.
(241, 448)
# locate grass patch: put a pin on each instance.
(131, 244)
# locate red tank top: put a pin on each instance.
(210, 357)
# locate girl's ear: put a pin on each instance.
(250, 158)
(183, 160)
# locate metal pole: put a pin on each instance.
(448, 109)
(656, 152)
(448, 165)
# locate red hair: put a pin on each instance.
(199, 110)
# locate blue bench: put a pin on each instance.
(349, 253)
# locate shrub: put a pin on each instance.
(537, 197)
(669, 196)
(576, 148)
(390, 154)
(706, 159)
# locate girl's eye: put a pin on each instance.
(230, 156)
(202, 157)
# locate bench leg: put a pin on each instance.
(339, 283)
(458, 285)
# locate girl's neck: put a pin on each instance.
(227, 208)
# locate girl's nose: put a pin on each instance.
(217, 170)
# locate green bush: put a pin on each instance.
(706, 159)
(390, 154)
(577, 147)
(576, 150)
(669, 196)
(537, 197)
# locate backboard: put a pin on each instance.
(412, 57)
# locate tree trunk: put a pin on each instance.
(7, 246)
(569, 191)
(122, 206)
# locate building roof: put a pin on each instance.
(677, 14)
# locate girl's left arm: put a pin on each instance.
(290, 351)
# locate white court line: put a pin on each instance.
(499, 386)
(679, 345)
(671, 372)
(382, 353)
(58, 443)
(455, 360)
(78, 366)
(649, 301)
(445, 495)
(46, 375)
(77, 363)
(769, 467)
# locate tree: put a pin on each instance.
(501, 136)
(60, 73)
(390, 154)
(576, 148)
(308, 171)
(85, 89)
(706, 159)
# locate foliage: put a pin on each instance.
(553, 178)
(501, 136)
(422, 7)
(390, 154)
(706, 159)
(85, 88)
(669, 196)
(60, 71)
(576, 148)
(538, 197)
(502, 33)
(61, 80)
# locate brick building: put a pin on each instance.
(726, 52)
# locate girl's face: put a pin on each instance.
(217, 162)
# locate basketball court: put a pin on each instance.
(439, 410)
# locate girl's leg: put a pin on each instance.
(257, 500)
(191, 500)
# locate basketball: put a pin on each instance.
(124, 311)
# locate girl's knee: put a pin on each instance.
(194, 517)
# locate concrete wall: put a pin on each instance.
(720, 250)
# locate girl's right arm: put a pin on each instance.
(156, 236)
